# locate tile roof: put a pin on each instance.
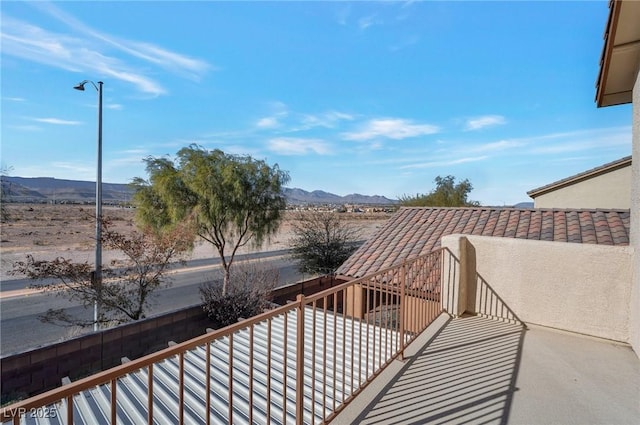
(597, 171)
(414, 231)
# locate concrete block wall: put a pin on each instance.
(36, 371)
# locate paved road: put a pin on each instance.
(21, 330)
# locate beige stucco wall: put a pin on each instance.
(581, 288)
(635, 222)
(611, 190)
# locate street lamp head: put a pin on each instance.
(80, 86)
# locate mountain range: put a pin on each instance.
(48, 189)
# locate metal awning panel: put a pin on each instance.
(338, 370)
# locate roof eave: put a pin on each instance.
(620, 59)
(616, 165)
(605, 58)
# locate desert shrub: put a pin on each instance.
(248, 294)
(322, 241)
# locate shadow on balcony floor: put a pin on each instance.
(477, 370)
(466, 373)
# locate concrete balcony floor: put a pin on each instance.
(474, 370)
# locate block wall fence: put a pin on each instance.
(33, 372)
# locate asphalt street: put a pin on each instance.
(21, 330)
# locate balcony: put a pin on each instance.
(396, 346)
(479, 370)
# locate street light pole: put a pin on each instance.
(97, 276)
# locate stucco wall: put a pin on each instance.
(576, 287)
(635, 221)
(611, 190)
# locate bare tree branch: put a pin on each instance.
(322, 241)
(127, 287)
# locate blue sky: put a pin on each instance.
(376, 98)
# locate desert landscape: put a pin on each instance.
(48, 231)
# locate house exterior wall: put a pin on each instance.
(580, 288)
(611, 190)
(635, 221)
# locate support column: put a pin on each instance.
(356, 301)
(468, 278)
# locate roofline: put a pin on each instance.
(619, 210)
(605, 59)
(577, 178)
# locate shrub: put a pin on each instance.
(248, 294)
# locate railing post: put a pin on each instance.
(401, 313)
(300, 360)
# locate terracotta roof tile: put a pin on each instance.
(536, 225)
(587, 229)
(492, 221)
(546, 230)
(602, 229)
(559, 226)
(512, 224)
(415, 231)
(573, 227)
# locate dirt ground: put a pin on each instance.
(48, 231)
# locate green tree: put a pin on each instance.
(231, 200)
(446, 194)
(322, 241)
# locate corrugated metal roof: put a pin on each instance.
(333, 368)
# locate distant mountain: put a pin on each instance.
(524, 205)
(299, 196)
(45, 189)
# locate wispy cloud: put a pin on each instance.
(56, 121)
(152, 53)
(328, 119)
(129, 157)
(367, 21)
(26, 127)
(342, 15)
(14, 99)
(279, 111)
(443, 163)
(87, 50)
(114, 106)
(138, 151)
(484, 121)
(298, 146)
(293, 122)
(267, 122)
(551, 143)
(500, 145)
(578, 141)
(391, 128)
(80, 169)
(35, 44)
(403, 44)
